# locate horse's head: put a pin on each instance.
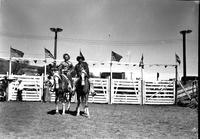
(56, 78)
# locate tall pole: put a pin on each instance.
(55, 30)
(184, 32)
(198, 63)
(10, 63)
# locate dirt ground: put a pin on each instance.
(38, 120)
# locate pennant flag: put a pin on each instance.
(35, 61)
(115, 57)
(141, 64)
(178, 60)
(16, 53)
(81, 55)
(48, 54)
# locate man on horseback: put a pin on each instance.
(66, 68)
(82, 71)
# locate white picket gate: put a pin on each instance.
(33, 88)
(125, 91)
(101, 87)
(160, 92)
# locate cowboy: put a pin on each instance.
(66, 68)
(82, 71)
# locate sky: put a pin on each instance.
(97, 27)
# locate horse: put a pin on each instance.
(82, 91)
(63, 91)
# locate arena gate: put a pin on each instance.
(159, 92)
(125, 91)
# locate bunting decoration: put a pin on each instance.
(35, 61)
(115, 56)
(16, 53)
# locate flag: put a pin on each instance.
(115, 57)
(16, 53)
(48, 54)
(178, 60)
(141, 64)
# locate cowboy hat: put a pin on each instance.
(80, 57)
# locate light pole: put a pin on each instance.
(56, 30)
(184, 32)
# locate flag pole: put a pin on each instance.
(45, 65)
(142, 84)
(110, 99)
(10, 63)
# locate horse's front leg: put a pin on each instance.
(69, 102)
(78, 105)
(86, 109)
(56, 103)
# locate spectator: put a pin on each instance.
(4, 86)
(20, 89)
(47, 86)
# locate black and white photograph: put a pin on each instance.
(99, 69)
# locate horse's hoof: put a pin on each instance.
(63, 113)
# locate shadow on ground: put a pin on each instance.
(73, 113)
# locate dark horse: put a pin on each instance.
(63, 91)
(82, 95)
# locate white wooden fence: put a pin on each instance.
(120, 92)
(33, 88)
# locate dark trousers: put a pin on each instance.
(19, 95)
